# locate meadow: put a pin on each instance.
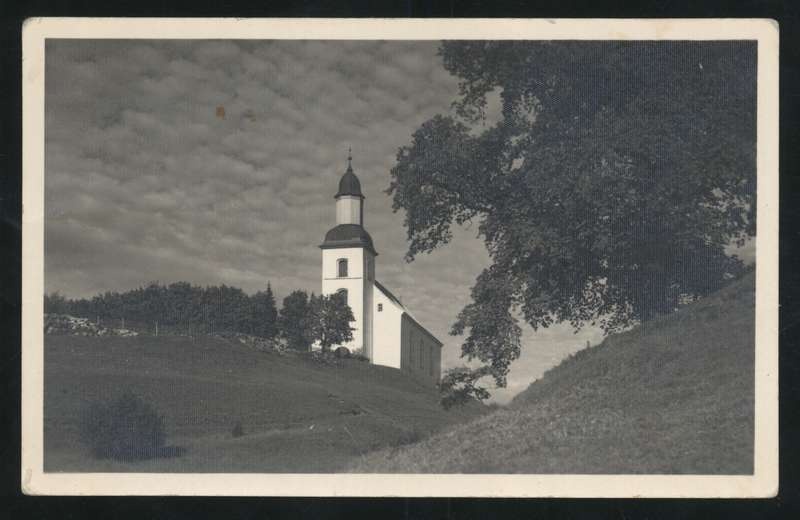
(297, 413)
(672, 396)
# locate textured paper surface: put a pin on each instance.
(763, 483)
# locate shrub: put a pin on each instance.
(459, 386)
(342, 352)
(238, 430)
(406, 437)
(126, 428)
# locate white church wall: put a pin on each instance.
(355, 263)
(367, 319)
(353, 283)
(387, 336)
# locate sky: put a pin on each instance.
(216, 162)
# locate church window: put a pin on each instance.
(380, 307)
(343, 294)
(342, 267)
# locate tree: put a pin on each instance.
(607, 192)
(55, 303)
(459, 386)
(264, 320)
(294, 321)
(182, 307)
(330, 320)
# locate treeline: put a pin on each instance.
(182, 308)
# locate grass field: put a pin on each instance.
(298, 415)
(673, 396)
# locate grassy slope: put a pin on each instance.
(674, 396)
(298, 415)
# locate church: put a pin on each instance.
(385, 331)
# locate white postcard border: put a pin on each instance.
(764, 481)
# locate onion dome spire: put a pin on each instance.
(349, 183)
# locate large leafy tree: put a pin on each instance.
(607, 192)
(330, 320)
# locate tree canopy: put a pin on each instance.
(608, 191)
(294, 321)
(179, 307)
(329, 320)
(182, 308)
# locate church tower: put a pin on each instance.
(348, 260)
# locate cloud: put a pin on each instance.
(147, 180)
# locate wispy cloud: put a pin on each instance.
(216, 162)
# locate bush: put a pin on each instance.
(238, 430)
(126, 428)
(459, 386)
(407, 437)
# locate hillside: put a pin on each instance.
(673, 396)
(298, 414)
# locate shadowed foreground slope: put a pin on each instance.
(297, 414)
(673, 396)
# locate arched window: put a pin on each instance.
(342, 293)
(342, 267)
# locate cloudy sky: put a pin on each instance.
(216, 162)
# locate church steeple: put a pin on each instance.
(349, 185)
(349, 230)
(349, 199)
(348, 259)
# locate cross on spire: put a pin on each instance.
(349, 157)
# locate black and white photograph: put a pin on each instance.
(369, 259)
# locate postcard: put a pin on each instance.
(362, 257)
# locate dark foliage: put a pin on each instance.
(459, 386)
(181, 308)
(294, 321)
(330, 318)
(263, 320)
(608, 191)
(126, 428)
(55, 303)
(178, 308)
